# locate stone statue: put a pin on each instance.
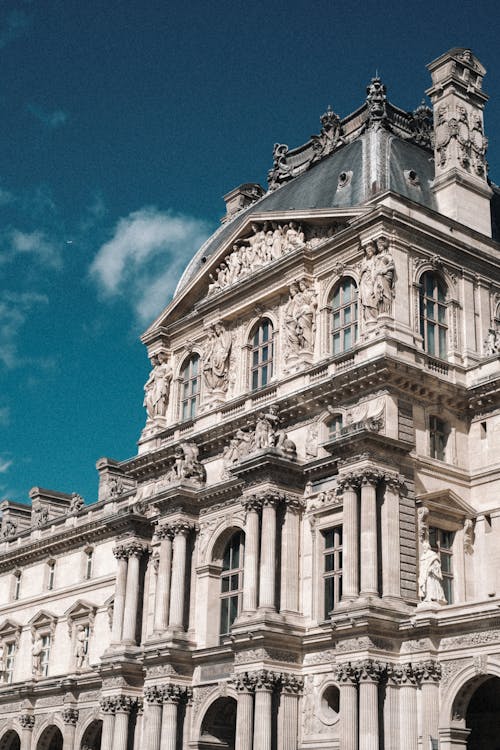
(239, 446)
(216, 355)
(376, 284)
(36, 653)
(157, 387)
(40, 516)
(9, 529)
(76, 502)
(186, 465)
(80, 654)
(300, 314)
(492, 343)
(430, 576)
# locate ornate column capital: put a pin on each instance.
(395, 482)
(164, 531)
(407, 675)
(291, 684)
(266, 680)
(347, 482)
(370, 670)
(370, 477)
(130, 549)
(252, 503)
(108, 704)
(27, 721)
(70, 715)
(120, 552)
(294, 504)
(172, 693)
(428, 671)
(182, 527)
(346, 673)
(243, 682)
(153, 695)
(125, 704)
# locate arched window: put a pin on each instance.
(190, 387)
(262, 354)
(433, 327)
(231, 582)
(344, 316)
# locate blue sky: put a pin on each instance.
(123, 124)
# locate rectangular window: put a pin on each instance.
(88, 565)
(441, 542)
(9, 662)
(17, 586)
(332, 569)
(438, 435)
(45, 655)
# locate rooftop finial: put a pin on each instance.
(376, 100)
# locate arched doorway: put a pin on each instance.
(10, 741)
(51, 739)
(482, 717)
(91, 739)
(218, 728)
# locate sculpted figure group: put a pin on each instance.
(267, 243)
(216, 353)
(469, 137)
(300, 319)
(377, 279)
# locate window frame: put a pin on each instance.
(350, 305)
(51, 575)
(434, 346)
(10, 649)
(228, 574)
(257, 344)
(445, 552)
(439, 432)
(331, 577)
(189, 388)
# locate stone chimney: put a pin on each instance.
(460, 184)
(241, 197)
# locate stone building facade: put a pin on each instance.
(304, 553)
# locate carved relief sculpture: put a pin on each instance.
(430, 576)
(186, 466)
(377, 279)
(157, 388)
(216, 355)
(471, 143)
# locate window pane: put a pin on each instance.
(442, 343)
(430, 338)
(264, 375)
(446, 563)
(347, 338)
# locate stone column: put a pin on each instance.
(121, 555)
(350, 583)
(291, 688)
(430, 675)
(124, 706)
(152, 719)
(264, 684)
(290, 556)
(391, 707)
(369, 556)
(391, 574)
(267, 593)
(181, 530)
(347, 678)
(139, 726)
(70, 720)
(408, 708)
(135, 552)
(108, 707)
(369, 673)
(27, 722)
(162, 599)
(245, 686)
(252, 507)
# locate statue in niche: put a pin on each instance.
(492, 343)
(430, 576)
(80, 649)
(216, 355)
(36, 654)
(478, 146)
(377, 279)
(186, 465)
(300, 314)
(157, 387)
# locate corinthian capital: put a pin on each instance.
(292, 683)
(120, 552)
(153, 695)
(27, 721)
(172, 693)
(370, 670)
(164, 531)
(428, 671)
(182, 526)
(108, 704)
(347, 482)
(244, 682)
(265, 679)
(346, 673)
(370, 477)
(70, 715)
(252, 502)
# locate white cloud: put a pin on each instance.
(49, 119)
(14, 310)
(146, 255)
(36, 243)
(5, 464)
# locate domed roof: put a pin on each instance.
(377, 148)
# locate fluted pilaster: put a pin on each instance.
(369, 675)
(265, 682)
(27, 722)
(291, 690)
(429, 673)
(369, 555)
(124, 706)
(70, 719)
(408, 707)
(135, 551)
(108, 707)
(347, 678)
(391, 554)
(121, 555)
(267, 596)
(290, 555)
(153, 701)
(245, 687)
(181, 531)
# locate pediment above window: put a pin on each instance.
(81, 612)
(10, 631)
(43, 621)
(446, 502)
